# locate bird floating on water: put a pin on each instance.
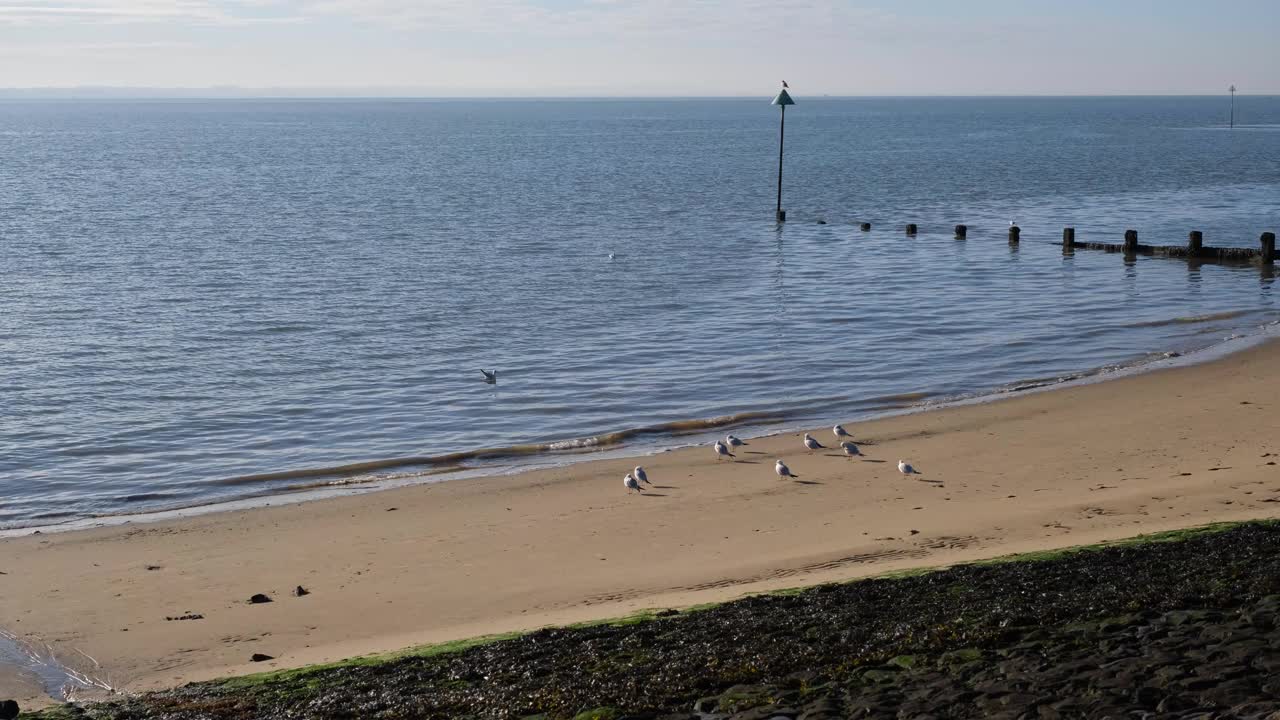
(905, 468)
(733, 441)
(490, 377)
(641, 475)
(840, 432)
(631, 484)
(722, 450)
(850, 449)
(783, 471)
(812, 443)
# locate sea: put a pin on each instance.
(208, 301)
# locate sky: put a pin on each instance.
(645, 47)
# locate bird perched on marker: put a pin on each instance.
(641, 475)
(490, 377)
(631, 484)
(783, 471)
(784, 84)
(722, 450)
(905, 468)
(850, 449)
(840, 433)
(812, 443)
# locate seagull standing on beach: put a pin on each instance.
(812, 443)
(783, 471)
(850, 449)
(631, 484)
(722, 450)
(641, 475)
(733, 441)
(905, 468)
(490, 377)
(840, 433)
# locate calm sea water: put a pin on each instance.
(196, 292)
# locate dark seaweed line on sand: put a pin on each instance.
(969, 641)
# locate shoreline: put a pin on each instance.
(1157, 450)
(568, 452)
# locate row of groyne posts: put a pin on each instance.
(1195, 247)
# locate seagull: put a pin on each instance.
(722, 450)
(631, 484)
(490, 377)
(1012, 223)
(783, 471)
(733, 441)
(906, 469)
(840, 432)
(850, 449)
(812, 444)
(641, 475)
(784, 84)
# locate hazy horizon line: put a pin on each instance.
(320, 92)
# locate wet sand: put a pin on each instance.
(387, 570)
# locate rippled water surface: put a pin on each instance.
(196, 292)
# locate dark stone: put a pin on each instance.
(259, 657)
(300, 591)
(259, 599)
(9, 710)
(1147, 696)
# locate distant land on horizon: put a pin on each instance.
(90, 92)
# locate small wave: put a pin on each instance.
(1190, 319)
(897, 400)
(456, 460)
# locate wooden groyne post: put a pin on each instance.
(1015, 234)
(911, 228)
(962, 231)
(1130, 242)
(865, 227)
(1268, 247)
(1195, 243)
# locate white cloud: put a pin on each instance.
(176, 12)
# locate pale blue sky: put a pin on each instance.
(649, 47)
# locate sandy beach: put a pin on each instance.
(388, 570)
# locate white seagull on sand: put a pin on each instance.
(850, 449)
(631, 484)
(811, 443)
(641, 475)
(722, 450)
(734, 441)
(840, 432)
(905, 468)
(783, 471)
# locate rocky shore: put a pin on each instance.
(1179, 625)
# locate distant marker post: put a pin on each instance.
(782, 100)
(1232, 90)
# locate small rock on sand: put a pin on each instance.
(9, 710)
(300, 591)
(259, 657)
(259, 599)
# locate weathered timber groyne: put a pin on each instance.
(1194, 249)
